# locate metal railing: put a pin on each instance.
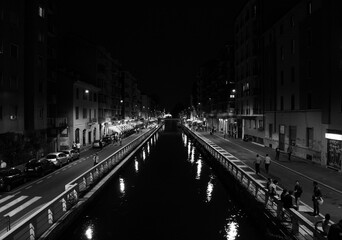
(42, 220)
(297, 224)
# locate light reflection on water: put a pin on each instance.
(210, 188)
(199, 166)
(122, 186)
(136, 165)
(231, 230)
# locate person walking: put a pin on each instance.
(324, 224)
(96, 159)
(316, 196)
(298, 190)
(289, 152)
(120, 140)
(267, 163)
(257, 163)
(335, 231)
(277, 153)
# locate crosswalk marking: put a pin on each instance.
(23, 206)
(6, 198)
(10, 204)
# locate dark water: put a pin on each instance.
(166, 192)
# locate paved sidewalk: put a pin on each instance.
(287, 172)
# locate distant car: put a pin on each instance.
(108, 139)
(11, 177)
(98, 144)
(38, 168)
(72, 154)
(57, 158)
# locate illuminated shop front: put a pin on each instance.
(334, 149)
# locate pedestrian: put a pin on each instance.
(289, 152)
(316, 197)
(273, 190)
(3, 164)
(287, 200)
(277, 153)
(268, 183)
(257, 163)
(298, 190)
(74, 145)
(120, 140)
(96, 159)
(325, 225)
(267, 162)
(335, 231)
(78, 146)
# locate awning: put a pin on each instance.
(114, 129)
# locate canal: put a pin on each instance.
(166, 191)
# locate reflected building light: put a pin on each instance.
(122, 185)
(189, 151)
(148, 148)
(199, 169)
(144, 154)
(231, 231)
(210, 189)
(136, 165)
(192, 157)
(89, 233)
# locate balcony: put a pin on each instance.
(61, 122)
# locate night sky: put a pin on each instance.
(162, 47)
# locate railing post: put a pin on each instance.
(295, 225)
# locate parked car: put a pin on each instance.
(72, 154)
(98, 144)
(57, 158)
(11, 177)
(38, 167)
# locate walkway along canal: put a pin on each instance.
(168, 190)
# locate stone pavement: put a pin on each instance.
(287, 172)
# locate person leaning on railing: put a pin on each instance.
(324, 225)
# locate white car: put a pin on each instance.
(57, 158)
(71, 154)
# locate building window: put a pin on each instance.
(85, 95)
(270, 130)
(309, 38)
(85, 113)
(40, 86)
(41, 112)
(1, 47)
(293, 74)
(41, 12)
(77, 93)
(1, 79)
(309, 69)
(281, 103)
(292, 135)
(0, 112)
(14, 51)
(76, 112)
(309, 101)
(292, 102)
(14, 82)
(282, 53)
(41, 37)
(95, 97)
(310, 7)
(95, 113)
(254, 10)
(292, 22)
(309, 137)
(293, 46)
(281, 29)
(281, 77)
(40, 61)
